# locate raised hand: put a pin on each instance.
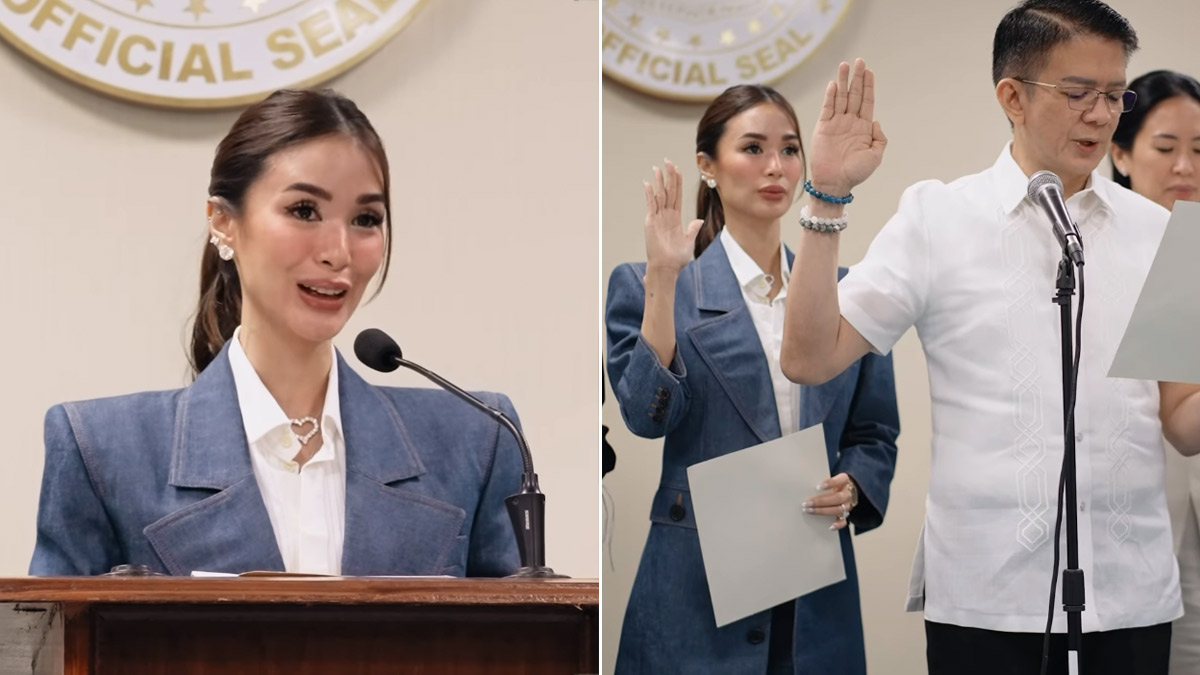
(668, 245)
(847, 142)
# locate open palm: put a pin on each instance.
(668, 245)
(847, 142)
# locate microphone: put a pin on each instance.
(526, 509)
(1045, 190)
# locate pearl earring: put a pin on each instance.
(223, 249)
(711, 182)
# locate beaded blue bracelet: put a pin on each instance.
(808, 187)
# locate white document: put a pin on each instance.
(759, 547)
(226, 575)
(1162, 340)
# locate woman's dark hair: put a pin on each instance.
(1152, 88)
(732, 102)
(284, 119)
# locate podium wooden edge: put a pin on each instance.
(72, 608)
(320, 590)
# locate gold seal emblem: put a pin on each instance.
(200, 53)
(692, 50)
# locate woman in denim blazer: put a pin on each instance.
(163, 479)
(712, 393)
(299, 219)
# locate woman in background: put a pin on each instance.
(279, 456)
(1156, 147)
(1156, 153)
(693, 356)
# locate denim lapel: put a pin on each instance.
(229, 530)
(727, 341)
(391, 526)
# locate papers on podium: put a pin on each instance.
(1160, 342)
(759, 547)
(267, 574)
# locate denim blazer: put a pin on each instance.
(164, 479)
(715, 398)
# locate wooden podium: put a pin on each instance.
(297, 626)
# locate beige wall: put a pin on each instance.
(935, 99)
(488, 110)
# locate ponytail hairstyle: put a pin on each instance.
(732, 102)
(284, 119)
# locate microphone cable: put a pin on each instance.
(1069, 426)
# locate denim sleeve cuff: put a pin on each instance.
(866, 515)
(654, 397)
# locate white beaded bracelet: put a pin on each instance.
(808, 222)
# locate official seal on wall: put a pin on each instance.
(692, 50)
(200, 53)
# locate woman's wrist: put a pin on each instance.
(834, 188)
(822, 209)
(662, 273)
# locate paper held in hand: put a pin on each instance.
(1160, 340)
(759, 547)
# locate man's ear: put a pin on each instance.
(1013, 98)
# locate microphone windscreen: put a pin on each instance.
(377, 350)
(1040, 180)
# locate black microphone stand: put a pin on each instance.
(1072, 576)
(527, 508)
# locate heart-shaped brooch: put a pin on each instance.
(311, 432)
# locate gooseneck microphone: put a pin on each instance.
(1046, 190)
(526, 509)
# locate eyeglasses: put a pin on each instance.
(1084, 98)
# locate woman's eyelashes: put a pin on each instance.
(1167, 151)
(369, 219)
(756, 149)
(304, 210)
(307, 211)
